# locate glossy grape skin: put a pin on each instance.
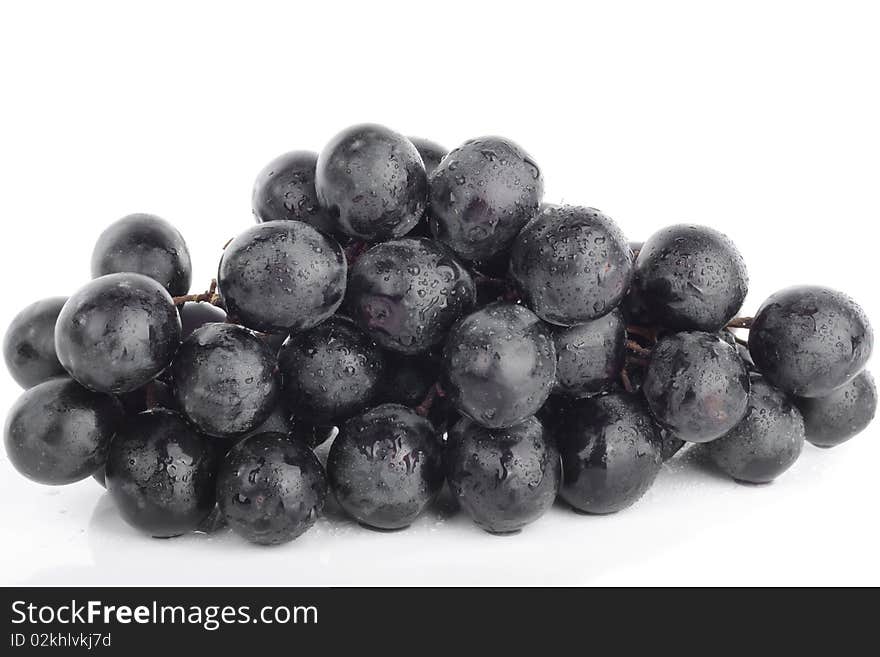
(117, 333)
(590, 356)
(696, 385)
(285, 190)
(59, 432)
(837, 417)
(431, 153)
(572, 264)
(29, 343)
(144, 244)
(282, 277)
(196, 315)
(225, 380)
(504, 479)
(406, 294)
(271, 489)
(809, 340)
(482, 194)
(610, 453)
(161, 474)
(372, 183)
(500, 365)
(330, 372)
(280, 420)
(385, 466)
(690, 278)
(766, 442)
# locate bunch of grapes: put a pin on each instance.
(432, 316)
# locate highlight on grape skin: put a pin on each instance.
(435, 321)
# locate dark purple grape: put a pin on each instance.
(839, 416)
(372, 183)
(161, 474)
(482, 194)
(610, 453)
(280, 420)
(385, 466)
(590, 356)
(696, 385)
(196, 315)
(810, 340)
(330, 372)
(285, 190)
(766, 442)
(271, 489)
(225, 380)
(690, 277)
(572, 264)
(282, 277)
(29, 343)
(144, 244)
(500, 365)
(406, 294)
(503, 478)
(117, 333)
(59, 432)
(431, 152)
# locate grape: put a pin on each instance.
(407, 293)
(372, 182)
(500, 365)
(285, 190)
(282, 276)
(431, 153)
(279, 420)
(503, 478)
(161, 474)
(482, 194)
(766, 442)
(610, 453)
(144, 244)
(59, 432)
(330, 372)
(572, 264)
(590, 356)
(690, 277)
(271, 489)
(196, 315)
(385, 466)
(224, 379)
(839, 416)
(117, 333)
(696, 385)
(29, 343)
(810, 340)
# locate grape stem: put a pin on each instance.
(210, 296)
(646, 332)
(625, 380)
(354, 251)
(638, 349)
(741, 323)
(434, 392)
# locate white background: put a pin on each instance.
(761, 119)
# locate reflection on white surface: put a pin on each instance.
(693, 527)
